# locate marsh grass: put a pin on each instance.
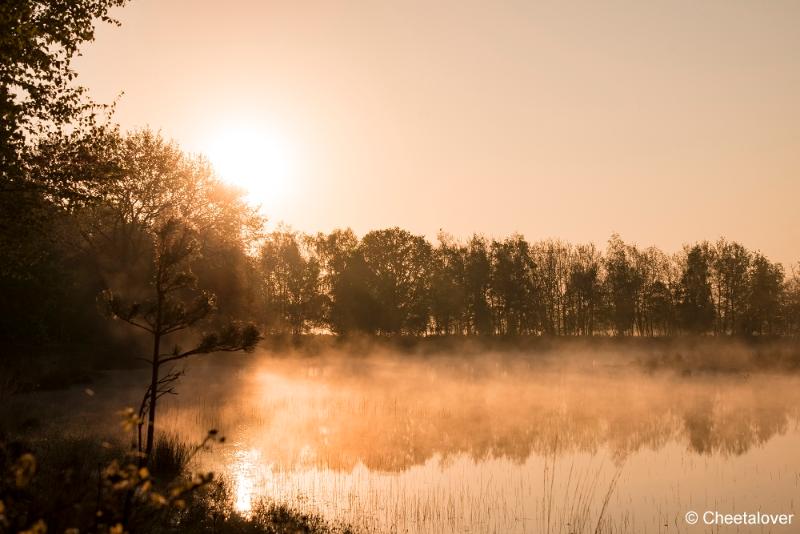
(212, 511)
(64, 479)
(170, 457)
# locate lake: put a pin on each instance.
(485, 443)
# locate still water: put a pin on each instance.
(493, 443)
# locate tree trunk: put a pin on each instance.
(151, 415)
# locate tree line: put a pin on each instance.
(128, 224)
(109, 198)
(392, 282)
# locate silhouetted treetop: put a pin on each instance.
(38, 40)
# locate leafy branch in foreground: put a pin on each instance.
(128, 495)
(173, 305)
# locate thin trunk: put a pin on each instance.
(151, 416)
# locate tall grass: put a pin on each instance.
(170, 456)
(582, 507)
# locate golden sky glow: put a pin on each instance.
(256, 158)
(664, 121)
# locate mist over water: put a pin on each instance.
(485, 442)
(574, 331)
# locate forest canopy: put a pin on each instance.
(387, 282)
(87, 210)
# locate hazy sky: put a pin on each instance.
(667, 122)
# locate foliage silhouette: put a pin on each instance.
(174, 305)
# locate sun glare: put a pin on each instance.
(256, 159)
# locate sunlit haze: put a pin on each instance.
(257, 159)
(665, 122)
(378, 266)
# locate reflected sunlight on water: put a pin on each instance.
(245, 470)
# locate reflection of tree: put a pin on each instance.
(733, 429)
(700, 427)
(392, 424)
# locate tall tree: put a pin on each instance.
(791, 305)
(348, 304)
(173, 306)
(399, 265)
(513, 286)
(584, 289)
(623, 284)
(477, 282)
(552, 259)
(38, 40)
(39, 102)
(696, 307)
(291, 283)
(730, 266)
(448, 287)
(147, 226)
(764, 296)
(657, 299)
(150, 180)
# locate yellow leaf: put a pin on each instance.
(24, 469)
(38, 528)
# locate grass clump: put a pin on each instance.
(170, 457)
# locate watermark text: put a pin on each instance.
(713, 517)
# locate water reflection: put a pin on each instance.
(390, 415)
(245, 470)
(495, 443)
(502, 445)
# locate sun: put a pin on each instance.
(256, 159)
